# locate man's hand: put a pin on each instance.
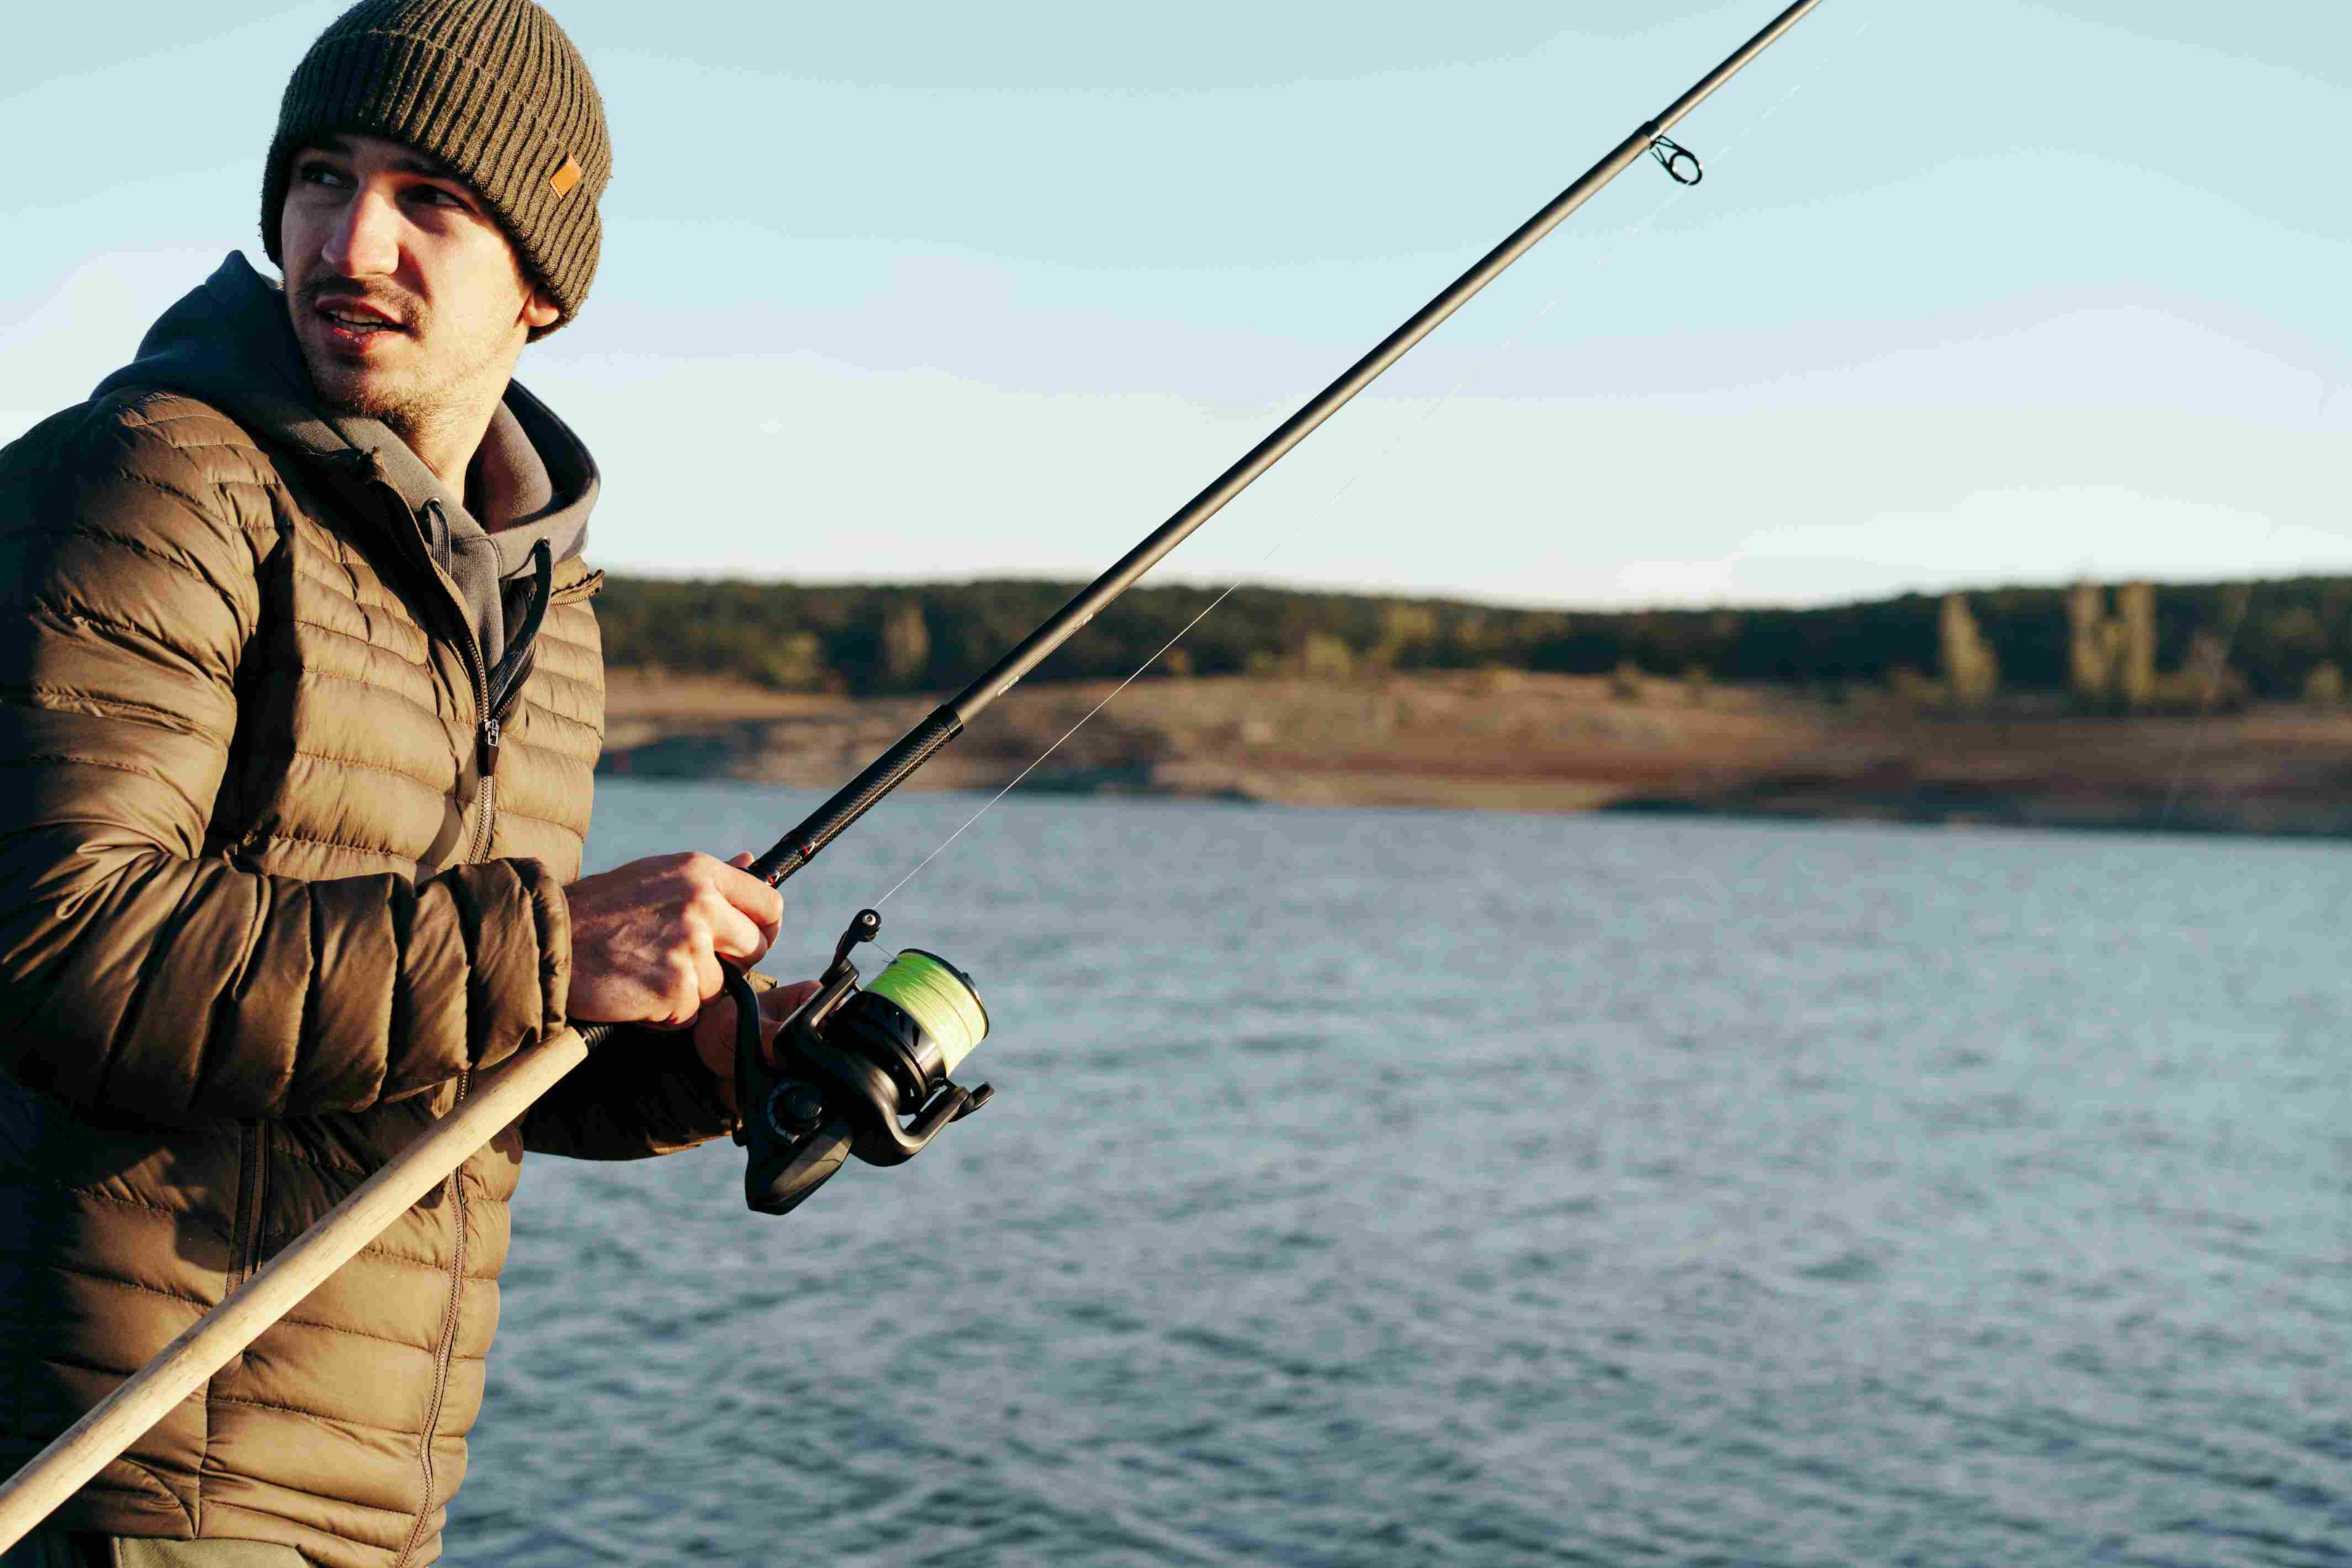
(714, 1032)
(646, 939)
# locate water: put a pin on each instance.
(1391, 1187)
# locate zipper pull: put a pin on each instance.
(491, 733)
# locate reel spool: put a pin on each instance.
(861, 1072)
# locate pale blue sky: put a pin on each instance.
(1995, 291)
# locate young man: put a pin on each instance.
(300, 698)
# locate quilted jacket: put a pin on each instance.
(275, 882)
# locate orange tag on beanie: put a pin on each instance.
(566, 177)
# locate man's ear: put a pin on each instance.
(538, 311)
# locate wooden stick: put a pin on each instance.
(181, 1367)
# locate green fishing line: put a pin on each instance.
(939, 996)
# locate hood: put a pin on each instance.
(228, 343)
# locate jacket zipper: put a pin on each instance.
(456, 1189)
(476, 666)
(253, 1154)
(487, 796)
(494, 731)
(468, 646)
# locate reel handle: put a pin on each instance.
(770, 1188)
(784, 1167)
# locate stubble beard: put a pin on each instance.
(403, 400)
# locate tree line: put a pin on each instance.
(875, 639)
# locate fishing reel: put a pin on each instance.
(861, 1072)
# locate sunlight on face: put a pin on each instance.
(405, 295)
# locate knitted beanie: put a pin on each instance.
(493, 89)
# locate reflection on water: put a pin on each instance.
(1383, 1187)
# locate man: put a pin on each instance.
(300, 698)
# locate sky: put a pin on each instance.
(2001, 291)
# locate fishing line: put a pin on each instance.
(1313, 515)
(939, 996)
(1380, 458)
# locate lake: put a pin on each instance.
(1399, 1187)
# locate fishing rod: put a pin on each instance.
(855, 1065)
(861, 1071)
(796, 848)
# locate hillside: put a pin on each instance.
(1508, 740)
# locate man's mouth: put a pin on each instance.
(351, 323)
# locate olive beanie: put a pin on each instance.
(493, 89)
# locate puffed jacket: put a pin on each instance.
(282, 857)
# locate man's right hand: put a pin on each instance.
(648, 938)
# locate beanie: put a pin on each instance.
(491, 89)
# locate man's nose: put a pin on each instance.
(365, 240)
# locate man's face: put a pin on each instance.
(407, 297)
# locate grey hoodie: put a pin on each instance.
(229, 343)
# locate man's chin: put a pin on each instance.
(349, 389)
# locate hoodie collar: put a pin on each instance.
(228, 342)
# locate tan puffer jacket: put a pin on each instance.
(267, 900)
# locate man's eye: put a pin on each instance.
(434, 195)
(319, 174)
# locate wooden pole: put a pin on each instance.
(181, 1367)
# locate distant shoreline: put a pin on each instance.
(1515, 742)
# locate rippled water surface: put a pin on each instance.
(1389, 1187)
